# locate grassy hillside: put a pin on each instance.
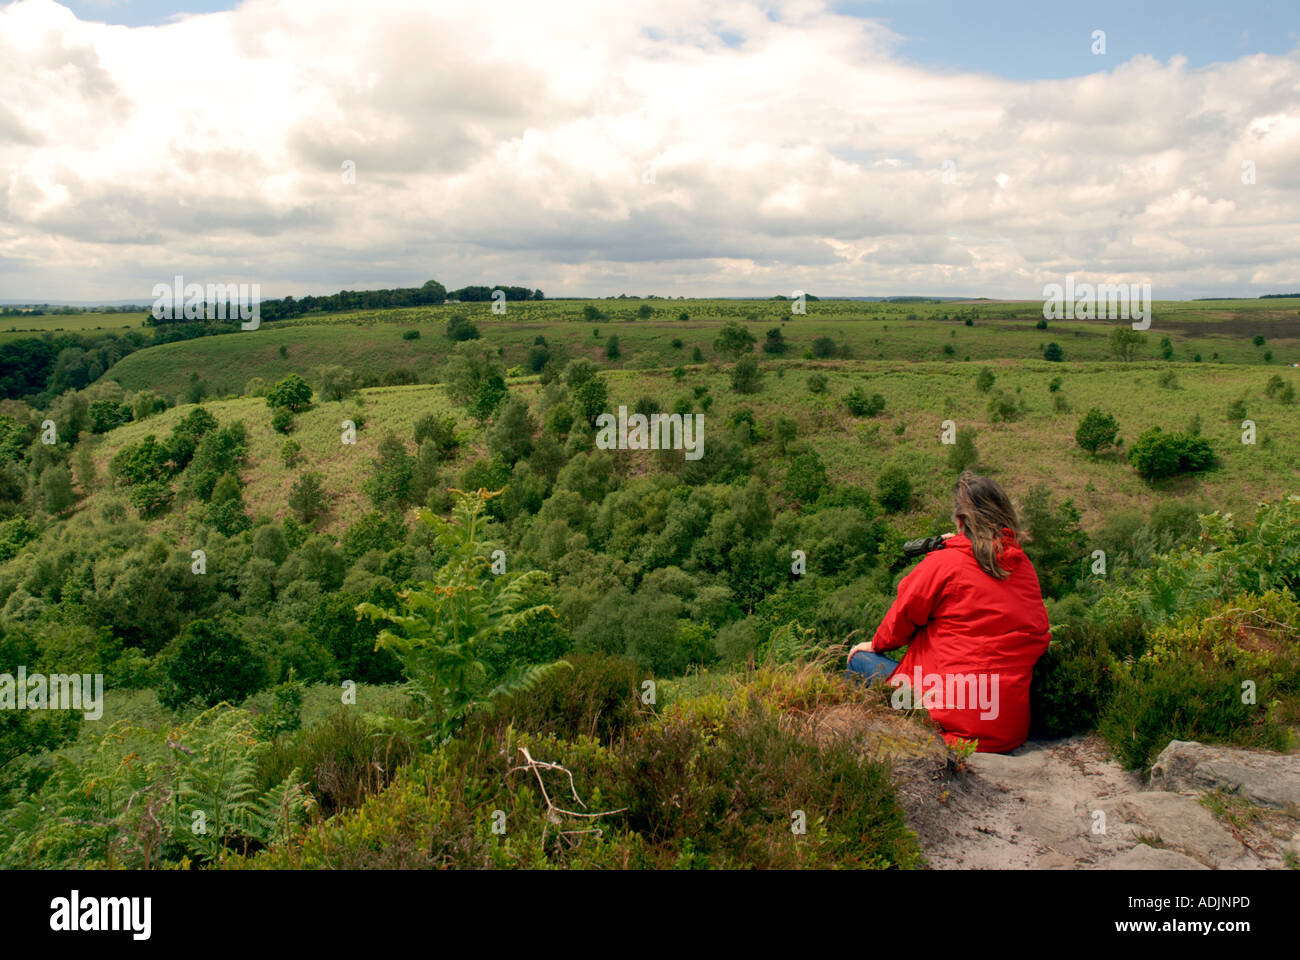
(371, 343)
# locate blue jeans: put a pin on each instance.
(870, 666)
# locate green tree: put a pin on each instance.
(894, 489)
(775, 342)
(307, 497)
(337, 382)
(389, 485)
(1054, 352)
(1097, 431)
(511, 434)
(212, 663)
(963, 454)
(56, 488)
(292, 393)
(1125, 342)
(1056, 543)
(746, 376)
(734, 340)
(984, 380)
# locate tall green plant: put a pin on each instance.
(445, 631)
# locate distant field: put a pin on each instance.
(15, 328)
(371, 342)
(1039, 447)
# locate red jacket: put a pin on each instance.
(974, 642)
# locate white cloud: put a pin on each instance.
(507, 143)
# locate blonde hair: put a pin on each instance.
(984, 509)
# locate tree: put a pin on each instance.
(746, 377)
(984, 380)
(734, 340)
(307, 497)
(963, 454)
(612, 351)
(56, 488)
(473, 365)
(805, 478)
(439, 431)
(460, 329)
(212, 663)
(336, 382)
(393, 472)
(511, 435)
(894, 489)
(1054, 353)
(292, 393)
(775, 342)
(1096, 431)
(1125, 341)
(590, 398)
(1056, 543)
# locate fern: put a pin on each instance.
(446, 629)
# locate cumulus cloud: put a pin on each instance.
(679, 147)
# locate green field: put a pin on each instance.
(371, 343)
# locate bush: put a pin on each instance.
(963, 454)
(410, 334)
(612, 351)
(290, 453)
(343, 761)
(734, 341)
(598, 697)
(460, 329)
(984, 380)
(1156, 454)
(824, 347)
(817, 383)
(1054, 353)
(805, 478)
(894, 489)
(746, 377)
(861, 405)
(282, 420)
(1003, 407)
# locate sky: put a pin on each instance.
(675, 147)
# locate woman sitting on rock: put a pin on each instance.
(972, 617)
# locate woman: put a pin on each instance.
(973, 615)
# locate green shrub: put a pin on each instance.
(862, 405)
(1097, 431)
(599, 697)
(894, 489)
(1156, 454)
